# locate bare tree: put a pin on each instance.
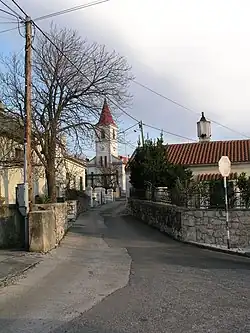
(11, 153)
(70, 80)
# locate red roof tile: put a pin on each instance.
(106, 116)
(124, 158)
(214, 176)
(200, 153)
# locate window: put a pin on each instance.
(102, 134)
(18, 153)
(106, 161)
(113, 134)
(101, 161)
(81, 184)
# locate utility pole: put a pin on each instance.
(142, 134)
(28, 179)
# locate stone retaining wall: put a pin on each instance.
(11, 227)
(194, 225)
(48, 225)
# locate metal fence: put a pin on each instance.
(213, 200)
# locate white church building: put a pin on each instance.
(107, 168)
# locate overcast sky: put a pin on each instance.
(196, 52)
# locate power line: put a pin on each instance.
(127, 129)
(69, 10)
(5, 18)
(65, 11)
(136, 82)
(108, 98)
(186, 108)
(121, 132)
(11, 9)
(81, 72)
(70, 61)
(20, 8)
(170, 133)
(1, 32)
(7, 22)
(8, 13)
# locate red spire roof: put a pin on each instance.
(106, 116)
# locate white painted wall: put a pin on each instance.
(106, 146)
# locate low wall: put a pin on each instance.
(83, 204)
(12, 230)
(42, 230)
(48, 225)
(194, 225)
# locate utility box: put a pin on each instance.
(22, 198)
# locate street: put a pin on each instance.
(168, 286)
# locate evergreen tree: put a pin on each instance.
(150, 166)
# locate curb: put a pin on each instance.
(211, 248)
(11, 278)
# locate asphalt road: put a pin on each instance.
(67, 282)
(173, 287)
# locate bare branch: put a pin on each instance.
(67, 98)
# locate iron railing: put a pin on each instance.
(196, 199)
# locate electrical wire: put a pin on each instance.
(136, 82)
(6, 12)
(65, 11)
(5, 18)
(7, 22)
(127, 129)
(19, 7)
(170, 133)
(108, 98)
(12, 10)
(69, 10)
(187, 108)
(121, 132)
(1, 32)
(81, 72)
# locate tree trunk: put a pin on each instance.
(51, 183)
(51, 173)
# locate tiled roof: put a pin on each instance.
(106, 116)
(75, 159)
(124, 159)
(214, 176)
(200, 153)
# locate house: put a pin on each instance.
(107, 168)
(202, 157)
(70, 171)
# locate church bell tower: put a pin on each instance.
(106, 137)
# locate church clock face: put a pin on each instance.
(102, 147)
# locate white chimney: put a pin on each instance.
(204, 129)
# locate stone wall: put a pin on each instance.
(11, 227)
(48, 225)
(42, 230)
(194, 225)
